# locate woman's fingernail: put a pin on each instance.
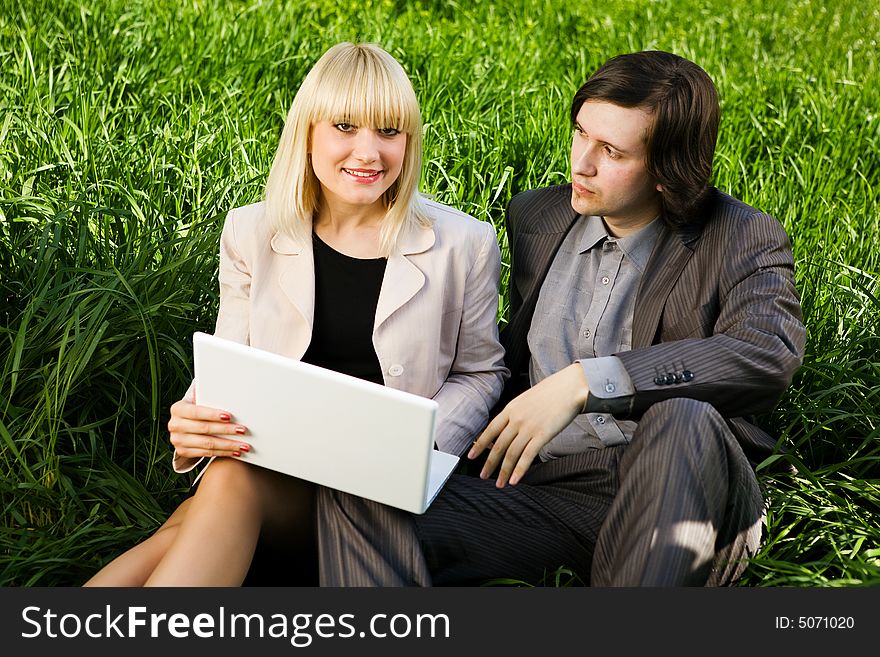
(240, 430)
(236, 453)
(245, 448)
(225, 417)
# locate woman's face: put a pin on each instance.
(355, 164)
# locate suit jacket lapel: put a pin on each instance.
(534, 251)
(670, 255)
(403, 279)
(297, 281)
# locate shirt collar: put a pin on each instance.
(593, 233)
(636, 246)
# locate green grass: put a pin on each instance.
(127, 130)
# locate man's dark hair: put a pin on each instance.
(683, 101)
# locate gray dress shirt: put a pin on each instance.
(584, 313)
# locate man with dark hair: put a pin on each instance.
(651, 316)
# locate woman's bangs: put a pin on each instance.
(366, 98)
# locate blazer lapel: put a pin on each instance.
(535, 249)
(403, 279)
(533, 252)
(670, 255)
(297, 281)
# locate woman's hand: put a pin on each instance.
(198, 431)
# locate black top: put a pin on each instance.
(346, 295)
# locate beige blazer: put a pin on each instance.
(435, 332)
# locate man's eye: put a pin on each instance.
(344, 127)
(389, 132)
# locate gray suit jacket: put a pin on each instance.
(717, 316)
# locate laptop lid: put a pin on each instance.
(323, 426)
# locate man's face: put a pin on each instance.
(608, 166)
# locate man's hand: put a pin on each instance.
(529, 422)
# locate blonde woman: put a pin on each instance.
(343, 265)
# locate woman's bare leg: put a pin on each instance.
(235, 503)
(134, 567)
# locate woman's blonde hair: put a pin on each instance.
(359, 84)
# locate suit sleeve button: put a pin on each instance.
(687, 375)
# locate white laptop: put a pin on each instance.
(329, 428)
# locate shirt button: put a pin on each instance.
(605, 280)
(587, 333)
(600, 420)
(609, 387)
(395, 370)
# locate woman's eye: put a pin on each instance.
(389, 132)
(344, 127)
(613, 154)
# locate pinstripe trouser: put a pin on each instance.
(679, 506)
